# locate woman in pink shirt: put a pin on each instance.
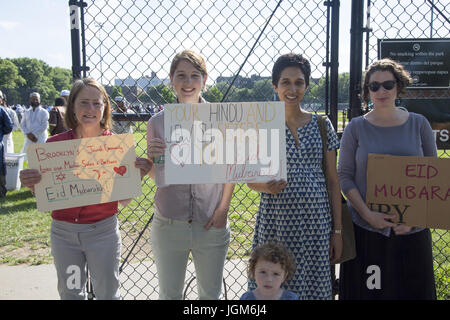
(86, 235)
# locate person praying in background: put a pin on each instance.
(34, 122)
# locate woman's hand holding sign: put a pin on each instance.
(144, 165)
(379, 220)
(156, 147)
(272, 187)
(30, 177)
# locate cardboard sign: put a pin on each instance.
(415, 189)
(85, 171)
(224, 142)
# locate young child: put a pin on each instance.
(270, 265)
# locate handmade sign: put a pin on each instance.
(414, 189)
(224, 142)
(85, 171)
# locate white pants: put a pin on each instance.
(8, 143)
(97, 245)
(173, 240)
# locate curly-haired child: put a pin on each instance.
(270, 265)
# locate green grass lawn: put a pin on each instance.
(25, 231)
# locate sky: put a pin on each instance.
(41, 29)
(36, 29)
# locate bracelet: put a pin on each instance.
(337, 231)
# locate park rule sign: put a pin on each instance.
(427, 60)
(85, 171)
(414, 189)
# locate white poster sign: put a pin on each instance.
(224, 142)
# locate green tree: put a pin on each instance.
(32, 70)
(262, 90)
(243, 95)
(41, 77)
(168, 94)
(9, 75)
(157, 95)
(116, 91)
(343, 87)
(213, 94)
(316, 91)
(62, 78)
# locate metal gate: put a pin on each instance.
(128, 45)
(374, 20)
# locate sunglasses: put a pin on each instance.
(388, 85)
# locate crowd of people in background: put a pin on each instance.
(37, 121)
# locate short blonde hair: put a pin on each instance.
(78, 85)
(191, 56)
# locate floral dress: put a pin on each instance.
(299, 216)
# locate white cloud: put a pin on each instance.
(8, 25)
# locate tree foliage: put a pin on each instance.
(157, 95)
(21, 76)
(260, 90)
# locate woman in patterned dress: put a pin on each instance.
(296, 212)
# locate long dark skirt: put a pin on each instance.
(388, 268)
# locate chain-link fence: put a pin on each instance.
(129, 45)
(418, 20)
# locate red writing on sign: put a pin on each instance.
(420, 171)
(43, 155)
(412, 192)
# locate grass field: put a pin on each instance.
(25, 231)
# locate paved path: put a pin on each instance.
(138, 281)
(28, 282)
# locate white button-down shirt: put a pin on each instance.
(35, 122)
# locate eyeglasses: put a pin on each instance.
(388, 85)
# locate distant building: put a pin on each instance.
(144, 83)
(242, 82)
(129, 92)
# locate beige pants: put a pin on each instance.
(173, 240)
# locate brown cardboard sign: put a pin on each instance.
(414, 189)
(85, 171)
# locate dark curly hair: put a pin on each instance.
(275, 253)
(290, 60)
(402, 77)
